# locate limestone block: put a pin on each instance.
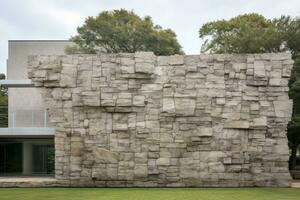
(168, 105)
(220, 101)
(104, 155)
(283, 108)
(281, 149)
(259, 69)
(124, 102)
(108, 99)
(239, 66)
(286, 71)
(127, 69)
(188, 172)
(153, 125)
(91, 98)
(140, 157)
(275, 73)
(237, 124)
(163, 60)
(216, 167)
(147, 68)
(254, 106)
(120, 126)
(176, 60)
(275, 81)
(144, 62)
(163, 161)
(260, 122)
(68, 76)
(127, 61)
(184, 93)
(86, 123)
(140, 170)
(139, 100)
(203, 132)
(185, 106)
(142, 56)
(83, 79)
(151, 87)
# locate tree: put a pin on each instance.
(123, 31)
(294, 125)
(249, 33)
(3, 105)
(289, 29)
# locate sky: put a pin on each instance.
(58, 19)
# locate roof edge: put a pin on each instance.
(39, 40)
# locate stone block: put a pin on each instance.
(203, 132)
(104, 155)
(139, 100)
(275, 81)
(283, 108)
(146, 68)
(185, 106)
(91, 98)
(176, 60)
(127, 69)
(163, 161)
(168, 105)
(237, 124)
(259, 69)
(141, 170)
(68, 76)
(260, 122)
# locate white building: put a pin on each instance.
(27, 144)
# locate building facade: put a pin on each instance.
(27, 144)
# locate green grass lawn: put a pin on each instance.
(149, 193)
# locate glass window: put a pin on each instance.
(26, 157)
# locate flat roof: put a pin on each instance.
(39, 41)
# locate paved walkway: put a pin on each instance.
(27, 181)
(296, 184)
(50, 182)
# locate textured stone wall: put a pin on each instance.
(145, 120)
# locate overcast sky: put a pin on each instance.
(58, 19)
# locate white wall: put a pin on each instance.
(27, 99)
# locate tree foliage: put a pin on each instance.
(289, 29)
(124, 31)
(294, 125)
(3, 105)
(249, 33)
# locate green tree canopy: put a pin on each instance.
(3, 105)
(3, 92)
(249, 33)
(124, 31)
(289, 29)
(294, 125)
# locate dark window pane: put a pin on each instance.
(2, 158)
(14, 158)
(43, 159)
(11, 158)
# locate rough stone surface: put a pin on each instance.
(168, 121)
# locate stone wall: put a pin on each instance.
(176, 121)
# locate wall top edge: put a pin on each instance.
(287, 55)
